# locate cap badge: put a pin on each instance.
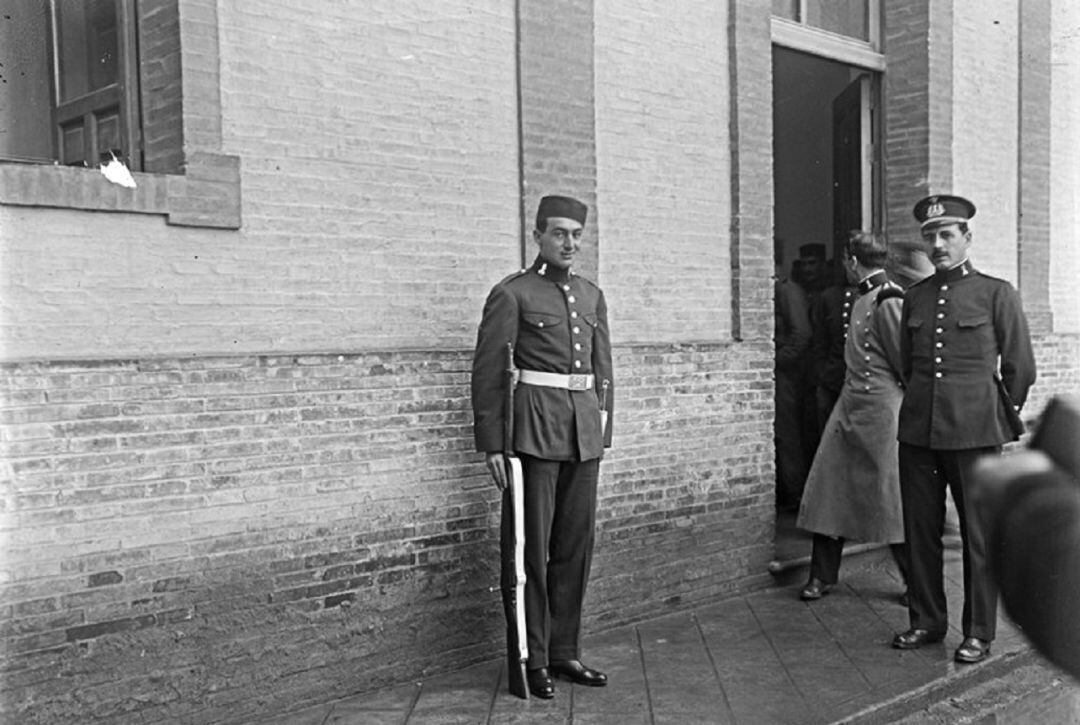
(935, 210)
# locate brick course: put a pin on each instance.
(279, 525)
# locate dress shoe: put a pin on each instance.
(814, 589)
(972, 650)
(540, 683)
(578, 673)
(915, 638)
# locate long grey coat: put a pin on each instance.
(853, 490)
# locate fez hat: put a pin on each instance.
(812, 250)
(560, 206)
(943, 209)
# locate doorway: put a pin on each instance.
(826, 182)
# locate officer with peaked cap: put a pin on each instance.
(557, 323)
(968, 364)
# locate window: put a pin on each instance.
(79, 78)
(80, 65)
(848, 31)
(851, 18)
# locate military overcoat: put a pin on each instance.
(557, 322)
(853, 489)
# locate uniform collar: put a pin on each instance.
(964, 269)
(875, 279)
(547, 271)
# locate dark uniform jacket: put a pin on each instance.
(830, 318)
(955, 326)
(557, 323)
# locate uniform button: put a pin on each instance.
(937, 374)
(577, 363)
(867, 358)
(847, 304)
(944, 287)
(577, 330)
(939, 330)
(539, 324)
(937, 360)
(941, 301)
(574, 314)
(866, 374)
(845, 325)
(577, 345)
(566, 288)
(941, 315)
(571, 299)
(847, 293)
(866, 388)
(939, 345)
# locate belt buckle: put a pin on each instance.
(578, 382)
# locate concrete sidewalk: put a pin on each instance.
(764, 657)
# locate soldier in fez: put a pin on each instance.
(968, 365)
(557, 323)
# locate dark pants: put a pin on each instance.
(826, 554)
(924, 474)
(791, 465)
(560, 518)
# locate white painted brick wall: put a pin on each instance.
(985, 112)
(1065, 167)
(378, 146)
(663, 168)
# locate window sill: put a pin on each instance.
(206, 195)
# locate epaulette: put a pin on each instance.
(586, 279)
(514, 275)
(888, 291)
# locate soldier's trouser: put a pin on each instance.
(560, 518)
(791, 465)
(924, 474)
(828, 550)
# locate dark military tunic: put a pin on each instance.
(557, 324)
(956, 325)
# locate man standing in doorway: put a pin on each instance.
(956, 326)
(556, 322)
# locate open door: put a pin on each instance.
(853, 154)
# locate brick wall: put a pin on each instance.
(219, 537)
(1065, 165)
(160, 86)
(985, 134)
(663, 169)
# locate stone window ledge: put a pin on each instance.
(206, 195)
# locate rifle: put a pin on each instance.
(512, 545)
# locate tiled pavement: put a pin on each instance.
(764, 657)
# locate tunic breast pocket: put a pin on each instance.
(975, 335)
(541, 320)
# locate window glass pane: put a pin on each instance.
(25, 99)
(787, 9)
(88, 52)
(844, 17)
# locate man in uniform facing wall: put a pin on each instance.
(968, 364)
(557, 323)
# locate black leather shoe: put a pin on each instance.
(578, 673)
(540, 683)
(814, 589)
(972, 650)
(915, 638)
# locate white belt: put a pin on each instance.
(556, 380)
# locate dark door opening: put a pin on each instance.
(825, 185)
